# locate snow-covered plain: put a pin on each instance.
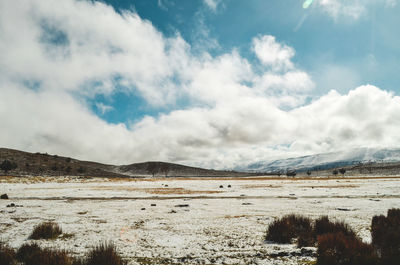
(194, 221)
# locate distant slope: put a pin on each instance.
(54, 165)
(327, 160)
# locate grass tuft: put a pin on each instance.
(46, 230)
(338, 248)
(104, 254)
(385, 233)
(289, 227)
(7, 255)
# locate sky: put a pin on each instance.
(211, 83)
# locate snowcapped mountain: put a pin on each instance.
(326, 161)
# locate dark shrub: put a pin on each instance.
(104, 254)
(27, 251)
(340, 249)
(385, 233)
(4, 196)
(324, 226)
(49, 257)
(289, 227)
(32, 254)
(46, 230)
(7, 255)
(7, 165)
(394, 215)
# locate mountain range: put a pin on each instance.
(326, 161)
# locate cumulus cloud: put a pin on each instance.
(69, 50)
(272, 53)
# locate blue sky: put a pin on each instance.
(212, 83)
(364, 49)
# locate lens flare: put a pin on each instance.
(307, 3)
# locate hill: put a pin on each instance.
(44, 164)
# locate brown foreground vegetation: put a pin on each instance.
(337, 243)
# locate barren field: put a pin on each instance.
(188, 220)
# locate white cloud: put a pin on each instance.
(353, 9)
(235, 116)
(272, 53)
(212, 4)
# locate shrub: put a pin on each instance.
(385, 233)
(104, 254)
(46, 230)
(27, 251)
(7, 255)
(47, 257)
(341, 249)
(6, 165)
(324, 226)
(289, 227)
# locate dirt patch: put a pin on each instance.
(159, 190)
(331, 186)
(262, 186)
(236, 216)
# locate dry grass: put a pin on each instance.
(162, 191)
(46, 230)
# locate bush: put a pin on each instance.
(385, 233)
(6, 165)
(324, 226)
(7, 255)
(338, 248)
(104, 254)
(34, 255)
(46, 230)
(27, 251)
(289, 227)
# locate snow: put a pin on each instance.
(341, 158)
(220, 225)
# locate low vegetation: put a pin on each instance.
(289, 227)
(338, 248)
(46, 230)
(104, 254)
(33, 254)
(7, 254)
(385, 232)
(337, 243)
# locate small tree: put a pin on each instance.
(308, 172)
(6, 165)
(291, 173)
(152, 168)
(335, 172)
(165, 169)
(342, 171)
